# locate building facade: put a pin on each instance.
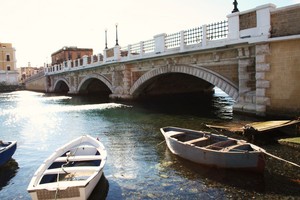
(8, 72)
(69, 53)
(27, 72)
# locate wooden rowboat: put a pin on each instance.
(214, 150)
(71, 172)
(7, 150)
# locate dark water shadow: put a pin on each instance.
(101, 189)
(267, 183)
(117, 191)
(7, 172)
(247, 180)
(178, 105)
(281, 184)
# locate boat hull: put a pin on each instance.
(252, 160)
(7, 151)
(71, 172)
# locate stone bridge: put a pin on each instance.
(253, 56)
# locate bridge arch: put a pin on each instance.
(61, 85)
(85, 81)
(208, 75)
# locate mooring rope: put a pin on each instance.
(69, 154)
(278, 158)
(161, 142)
(57, 179)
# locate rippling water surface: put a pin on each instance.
(139, 165)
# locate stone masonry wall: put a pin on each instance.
(37, 85)
(262, 82)
(248, 20)
(284, 76)
(285, 22)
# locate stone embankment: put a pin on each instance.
(11, 88)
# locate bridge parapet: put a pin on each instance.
(240, 27)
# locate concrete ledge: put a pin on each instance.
(261, 108)
(292, 142)
(245, 107)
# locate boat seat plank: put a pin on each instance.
(196, 140)
(222, 144)
(235, 148)
(77, 158)
(173, 133)
(71, 169)
(62, 185)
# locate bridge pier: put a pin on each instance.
(73, 80)
(252, 81)
(121, 82)
(246, 73)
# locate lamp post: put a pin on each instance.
(235, 9)
(105, 38)
(117, 44)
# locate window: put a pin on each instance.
(7, 58)
(8, 68)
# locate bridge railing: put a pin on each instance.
(237, 28)
(193, 36)
(166, 42)
(217, 30)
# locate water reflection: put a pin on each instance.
(7, 172)
(222, 104)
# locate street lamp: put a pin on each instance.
(117, 44)
(105, 38)
(235, 9)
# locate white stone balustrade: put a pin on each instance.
(159, 46)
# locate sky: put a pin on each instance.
(38, 28)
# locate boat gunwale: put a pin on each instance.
(9, 146)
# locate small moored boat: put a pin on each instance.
(7, 150)
(71, 172)
(214, 150)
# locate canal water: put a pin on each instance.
(139, 165)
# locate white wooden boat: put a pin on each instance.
(214, 150)
(7, 150)
(71, 172)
